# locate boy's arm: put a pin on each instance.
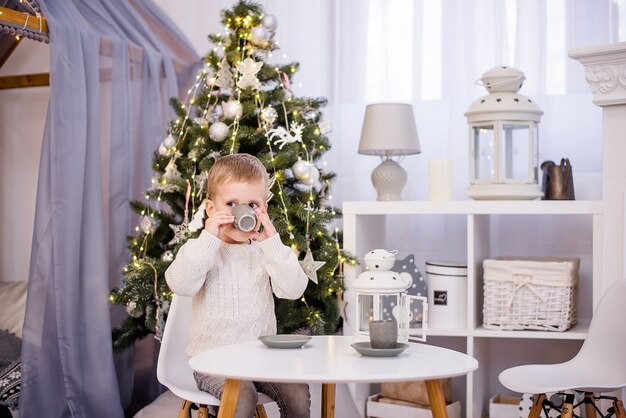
(288, 278)
(187, 273)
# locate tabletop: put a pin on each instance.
(330, 359)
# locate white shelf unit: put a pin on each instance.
(364, 225)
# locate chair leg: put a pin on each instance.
(567, 409)
(619, 409)
(203, 412)
(185, 410)
(260, 412)
(537, 407)
(590, 410)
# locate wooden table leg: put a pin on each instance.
(228, 403)
(437, 398)
(328, 400)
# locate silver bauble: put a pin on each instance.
(270, 22)
(169, 141)
(232, 109)
(300, 169)
(147, 225)
(313, 177)
(259, 35)
(167, 256)
(218, 131)
(269, 115)
(311, 115)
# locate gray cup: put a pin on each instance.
(384, 333)
(245, 218)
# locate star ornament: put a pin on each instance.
(310, 266)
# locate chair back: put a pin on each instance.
(173, 370)
(606, 338)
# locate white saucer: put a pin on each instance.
(365, 349)
(285, 340)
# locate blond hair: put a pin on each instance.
(240, 168)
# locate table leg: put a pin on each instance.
(328, 400)
(228, 403)
(437, 399)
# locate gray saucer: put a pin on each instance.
(365, 349)
(285, 340)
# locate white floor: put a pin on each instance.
(167, 405)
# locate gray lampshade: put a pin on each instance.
(389, 129)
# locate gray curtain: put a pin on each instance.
(113, 67)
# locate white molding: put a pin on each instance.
(605, 72)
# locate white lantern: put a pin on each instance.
(503, 145)
(381, 294)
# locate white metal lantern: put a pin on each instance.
(381, 294)
(503, 145)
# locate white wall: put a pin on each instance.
(22, 120)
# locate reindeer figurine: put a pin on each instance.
(284, 136)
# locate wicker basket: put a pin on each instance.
(530, 293)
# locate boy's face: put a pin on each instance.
(227, 196)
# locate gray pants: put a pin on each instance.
(293, 399)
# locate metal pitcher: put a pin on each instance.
(558, 182)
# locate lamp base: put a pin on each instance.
(389, 178)
(504, 191)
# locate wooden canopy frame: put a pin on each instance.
(21, 23)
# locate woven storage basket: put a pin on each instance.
(530, 293)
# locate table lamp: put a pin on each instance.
(389, 129)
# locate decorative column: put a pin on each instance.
(605, 71)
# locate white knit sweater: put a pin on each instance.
(232, 289)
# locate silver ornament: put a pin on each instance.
(218, 131)
(169, 141)
(269, 115)
(259, 35)
(311, 115)
(232, 109)
(162, 150)
(270, 22)
(147, 225)
(300, 169)
(167, 256)
(313, 176)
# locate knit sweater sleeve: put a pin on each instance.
(187, 273)
(287, 277)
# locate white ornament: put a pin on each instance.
(202, 122)
(324, 127)
(269, 115)
(162, 150)
(169, 141)
(197, 222)
(285, 137)
(313, 177)
(232, 109)
(167, 256)
(224, 77)
(248, 69)
(218, 131)
(259, 35)
(171, 171)
(300, 169)
(147, 225)
(311, 115)
(181, 233)
(310, 266)
(270, 22)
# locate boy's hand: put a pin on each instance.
(214, 223)
(268, 229)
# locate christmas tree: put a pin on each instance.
(240, 103)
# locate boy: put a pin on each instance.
(231, 275)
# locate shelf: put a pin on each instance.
(463, 207)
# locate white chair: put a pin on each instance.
(173, 369)
(598, 367)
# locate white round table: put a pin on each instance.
(330, 360)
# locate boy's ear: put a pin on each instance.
(210, 207)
